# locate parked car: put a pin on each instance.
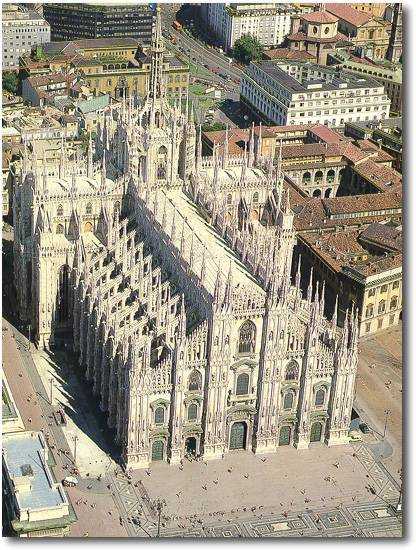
(364, 428)
(70, 481)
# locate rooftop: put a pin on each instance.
(349, 14)
(319, 17)
(218, 254)
(25, 454)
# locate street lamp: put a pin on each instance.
(75, 448)
(386, 413)
(51, 390)
(159, 505)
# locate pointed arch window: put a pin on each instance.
(247, 337)
(88, 209)
(60, 229)
(229, 199)
(195, 381)
(256, 197)
(192, 411)
(292, 371)
(60, 210)
(288, 400)
(320, 397)
(242, 384)
(160, 415)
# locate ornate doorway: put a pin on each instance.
(190, 446)
(316, 432)
(238, 435)
(284, 435)
(157, 450)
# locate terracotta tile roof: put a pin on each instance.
(383, 235)
(326, 134)
(319, 17)
(44, 80)
(371, 203)
(381, 176)
(299, 36)
(349, 14)
(343, 249)
(286, 53)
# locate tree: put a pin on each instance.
(212, 127)
(10, 82)
(247, 48)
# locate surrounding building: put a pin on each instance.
(363, 29)
(387, 73)
(387, 135)
(170, 272)
(114, 66)
(94, 20)
(304, 93)
(21, 31)
(317, 34)
(268, 22)
(11, 421)
(35, 505)
(374, 8)
(361, 268)
(42, 90)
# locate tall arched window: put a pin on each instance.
(247, 338)
(393, 302)
(382, 306)
(320, 397)
(319, 176)
(161, 162)
(242, 384)
(306, 178)
(292, 371)
(192, 411)
(60, 210)
(229, 199)
(63, 296)
(88, 209)
(288, 400)
(256, 197)
(60, 229)
(330, 176)
(160, 415)
(195, 381)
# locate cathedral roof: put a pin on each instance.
(218, 254)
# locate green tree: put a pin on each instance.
(247, 48)
(10, 82)
(212, 127)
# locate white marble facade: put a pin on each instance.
(170, 274)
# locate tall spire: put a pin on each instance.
(156, 71)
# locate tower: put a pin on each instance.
(394, 51)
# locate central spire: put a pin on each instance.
(156, 89)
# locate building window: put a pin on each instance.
(369, 311)
(320, 398)
(229, 199)
(391, 319)
(383, 288)
(306, 178)
(192, 411)
(371, 292)
(60, 210)
(247, 339)
(288, 400)
(395, 285)
(393, 302)
(195, 381)
(292, 371)
(242, 384)
(60, 229)
(380, 324)
(160, 415)
(382, 306)
(367, 327)
(88, 209)
(256, 197)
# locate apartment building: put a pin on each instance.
(268, 22)
(296, 93)
(92, 20)
(22, 30)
